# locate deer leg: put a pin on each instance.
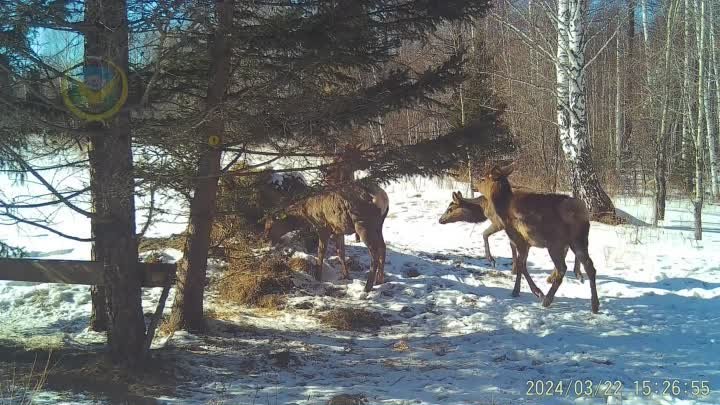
(486, 238)
(340, 248)
(557, 254)
(522, 253)
(554, 275)
(533, 287)
(322, 247)
(370, 283)
(513, 250)
(576, 270)
(380, 253)
(581, 254)
(363, 233)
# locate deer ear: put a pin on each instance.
(456, 197)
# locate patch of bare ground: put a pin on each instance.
(23, 373)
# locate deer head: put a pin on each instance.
(495, 175)
(277, 225)
(460, 210)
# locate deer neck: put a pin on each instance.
(500, 197)
(477, 210)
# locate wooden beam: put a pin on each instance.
(76, 272)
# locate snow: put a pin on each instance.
(456, 334)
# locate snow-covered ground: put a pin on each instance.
(457, 336)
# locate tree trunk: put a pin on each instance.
(619, 142)
(700, 136)
(687, 97)
(629, 62)
(561, 72)
(114, 223)
(661, 141)
(644, 16)
(711, 113)
(716, 69)
(710, 120)
(584, 179)
(187, 311)
(98, 296)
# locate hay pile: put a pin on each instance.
(353, 319)
(257, 282)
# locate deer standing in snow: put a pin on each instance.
(552, 221)
(477, 210)
(343, 210)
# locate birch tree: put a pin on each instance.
(570, 95)
(576, 141)
(710, 111)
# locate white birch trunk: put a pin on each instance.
(576, 145)
(710, 112)
(711, 136)
(644, 16)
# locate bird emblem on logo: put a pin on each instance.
(101, 92)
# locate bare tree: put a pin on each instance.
(700, 134)
(661, 142)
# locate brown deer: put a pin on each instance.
(341, 211)
(552, 221)
(477, 210)
(342, 170)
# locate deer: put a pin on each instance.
(552, 221)
(477, 210)
(342, 169)
(343, 210)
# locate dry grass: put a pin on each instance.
(401, 346)
(353, 319)
(21, 389)
(176, 241)
(258, 282)
(301, 265)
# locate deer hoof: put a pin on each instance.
(515, 293)
(547, 301)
